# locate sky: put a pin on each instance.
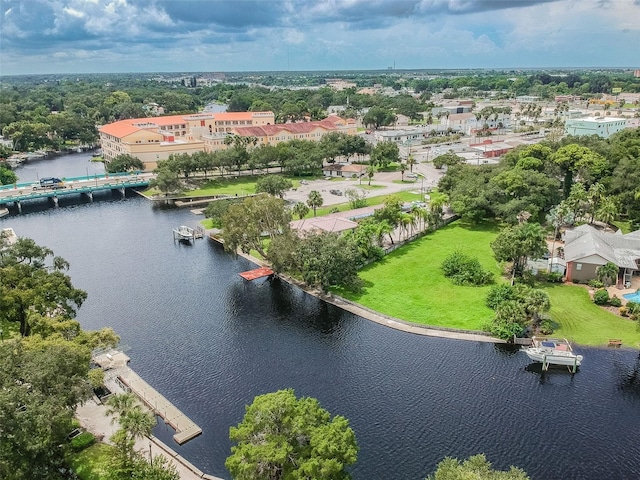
(105, 36)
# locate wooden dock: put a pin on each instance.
(257, 273)
(115, 365)
(184, 427)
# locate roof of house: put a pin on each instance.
(326, 224)
(584, 241)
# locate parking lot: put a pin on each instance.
(384, 180)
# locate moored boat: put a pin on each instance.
(553, 351)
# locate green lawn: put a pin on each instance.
(92, 463)
(371, 201)
(230, 185)
(409, 284)
(581, 321)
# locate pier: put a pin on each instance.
(115, 364)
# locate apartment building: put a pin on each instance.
(154, 139)
(282, 132)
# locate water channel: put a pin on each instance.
(210, 342)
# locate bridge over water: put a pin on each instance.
(72, 186)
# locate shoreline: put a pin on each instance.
(381, 318)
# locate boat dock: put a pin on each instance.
(117, 370)
(257, 273)
(187, 234)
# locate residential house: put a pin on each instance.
(344, 170)
(586, 249)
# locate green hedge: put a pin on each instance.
(82, 441)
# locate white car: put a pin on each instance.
(412, 175)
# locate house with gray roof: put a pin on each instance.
(587, 248)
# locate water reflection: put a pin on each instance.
(629, 377)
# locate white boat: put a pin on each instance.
(184, 233)
(553, 351)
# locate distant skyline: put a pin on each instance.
(112, 36)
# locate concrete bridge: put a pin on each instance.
(72, 186)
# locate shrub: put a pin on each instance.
(546, 327)
(601, 297)
(555, 277)
(615, 301)
(596, 283)
(465, 270)
(634, 310)
(499, 294)
(623, 311)
(82, 441)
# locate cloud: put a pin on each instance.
(272, 34)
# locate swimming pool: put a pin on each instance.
(633, 297)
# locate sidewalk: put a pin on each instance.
(92, 416)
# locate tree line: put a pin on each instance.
(590, 178)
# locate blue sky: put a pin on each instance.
(91, 36)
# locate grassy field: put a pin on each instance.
(409, 284)
(582, 322)
(92, 463)
(230, 185)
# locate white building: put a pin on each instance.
(602, 126)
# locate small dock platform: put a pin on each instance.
(257, 273)
(115, 365)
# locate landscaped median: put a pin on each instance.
(409, 284)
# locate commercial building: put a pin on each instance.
(154, 139)
(282, 132)
(602, 126)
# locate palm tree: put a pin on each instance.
(403, 168)
(119, 405)
(608, 273)
(411, 161)
(300, 209)
(137, 422)
(607, 211)
(371, 171)
(314, 200)
(406, 222)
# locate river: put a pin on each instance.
(210, 342)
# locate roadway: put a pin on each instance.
(75, 185)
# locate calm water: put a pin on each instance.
(210, 343)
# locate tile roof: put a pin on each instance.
(292, 128)
(126, 127)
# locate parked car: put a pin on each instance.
(336, 192)
(412, 175)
